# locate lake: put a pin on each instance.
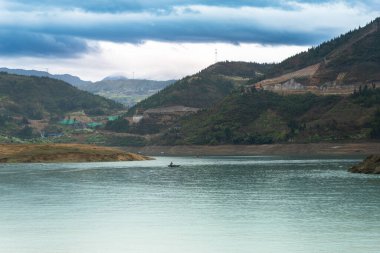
(208, 205)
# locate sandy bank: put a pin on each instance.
(46, 153)
(273, 149)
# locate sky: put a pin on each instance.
(166, 39)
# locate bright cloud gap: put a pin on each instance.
(153, 60)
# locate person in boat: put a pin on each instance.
(171, 164)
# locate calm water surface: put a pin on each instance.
(211, 205)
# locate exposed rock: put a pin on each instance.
(370, 165)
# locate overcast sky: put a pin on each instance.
(166, 39)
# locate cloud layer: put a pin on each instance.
(159, 6)
(152, 60)
(69, 28)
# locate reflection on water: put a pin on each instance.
(209, 204)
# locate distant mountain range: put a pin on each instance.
(73, 80)
(118, 88)
(124, 90)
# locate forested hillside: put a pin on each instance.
(263, 117)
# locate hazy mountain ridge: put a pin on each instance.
(126, 91)
(118, 88)
(73, 80)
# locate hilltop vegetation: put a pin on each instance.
(239, 69)
(36, 97)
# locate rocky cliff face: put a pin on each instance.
(370, 165)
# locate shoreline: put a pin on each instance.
(268, 149)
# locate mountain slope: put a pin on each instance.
(24, 98)
(264, 117)
(339, 65)
(29, 96)
(205, 88)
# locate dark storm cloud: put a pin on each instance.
(62, 28)
(35, 44)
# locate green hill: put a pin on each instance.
(205, 88)
(24, 98)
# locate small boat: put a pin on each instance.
(173, 165)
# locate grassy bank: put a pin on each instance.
(41, 153)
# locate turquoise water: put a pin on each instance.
(210, 205)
